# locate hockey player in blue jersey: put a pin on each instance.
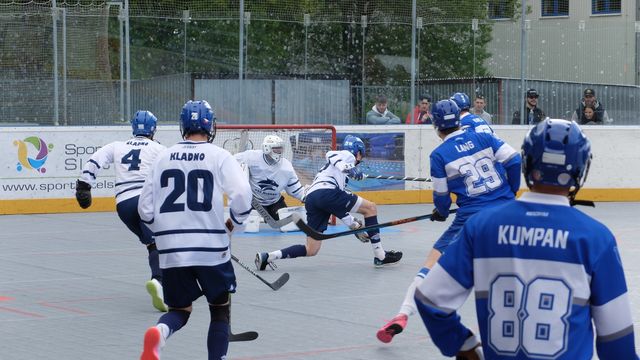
(327, 196)
(182, 200)
(467, 119)
(132, 160)
(479, 168)
(542, 270)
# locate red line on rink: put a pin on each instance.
(76, 311)
(313, 352)
(16, 311)
(5, 298)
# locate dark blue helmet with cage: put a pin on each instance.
(354, 145)
(462, 100)
(144, 123)
(556, 152)
(198, 117)
(445, 114)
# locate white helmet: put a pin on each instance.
(273, 147)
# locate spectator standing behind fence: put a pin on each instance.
(380, 115)
(478, 109)
(534, 114)
(421, 114)
(589, 99)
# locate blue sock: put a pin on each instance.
(154, 263)
(218, 340)
(174, 319)
(294, 251)
(374, 235)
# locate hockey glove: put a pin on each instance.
(362, 236)
(232, 228)
(435, 216)
(355, 174)
(83, 194)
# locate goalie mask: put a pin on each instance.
(272, 147)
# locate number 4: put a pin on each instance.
(133, 159)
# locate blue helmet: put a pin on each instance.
(462, 100)
(144, 123)
(445, 114)
(198, 117)
(556, 152)
(353, 144)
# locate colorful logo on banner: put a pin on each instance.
(32, 153)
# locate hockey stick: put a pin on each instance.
(406, 178)
(245, 336)
(274, 285)
(319, 236)
(276, 224)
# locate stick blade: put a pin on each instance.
(280, 282)
(245, 336)
(305, 228)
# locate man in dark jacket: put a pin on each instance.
(534, 114)
(600, 117)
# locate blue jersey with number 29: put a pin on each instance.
(542, 272)
(478, 167)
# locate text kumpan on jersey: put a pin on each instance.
(522, 235)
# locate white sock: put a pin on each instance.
(378, 250)
(408, 306)
(274, 255)
(165, 332)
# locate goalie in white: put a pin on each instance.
(270, 174)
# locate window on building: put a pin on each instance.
(501, 9)
(606, 6)
(555, 7)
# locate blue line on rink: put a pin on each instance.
(265, 230)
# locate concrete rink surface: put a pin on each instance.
(72, 287)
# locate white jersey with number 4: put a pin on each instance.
(132, 160)
(268, 181)
(182, 201)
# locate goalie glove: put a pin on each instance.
(362, 236)
(83, 194)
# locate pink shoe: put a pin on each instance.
(393, 327)
(151, 349)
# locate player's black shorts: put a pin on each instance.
(323, 203)
(183, 285)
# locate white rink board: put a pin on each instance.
(616, 163)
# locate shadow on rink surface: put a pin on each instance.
(72, 287)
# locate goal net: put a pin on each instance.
(304, 145)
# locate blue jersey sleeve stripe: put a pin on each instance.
(94, 163)
(89, 173)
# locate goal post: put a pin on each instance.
(304, 145)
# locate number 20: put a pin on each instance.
(529, 316)
(191, 186)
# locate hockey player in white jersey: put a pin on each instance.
(327, 196)
(270, 174)
(545, 274)
(182, 200)
(132, 160)
(479, 168)
(467, 119)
